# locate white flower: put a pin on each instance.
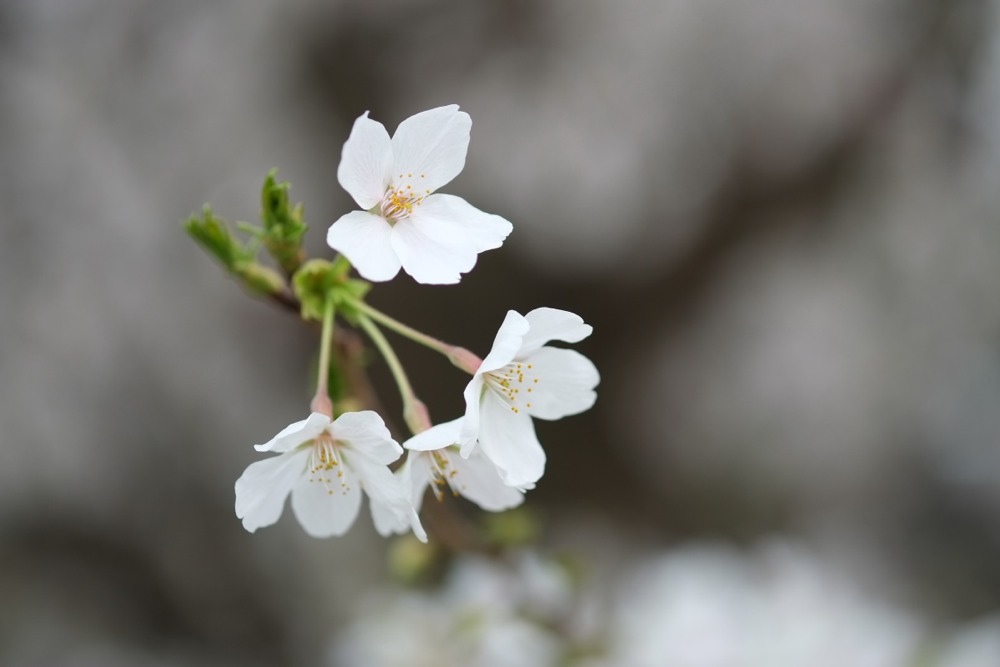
(522, 378)
(325, 465)
(434, 237)
(434, 460)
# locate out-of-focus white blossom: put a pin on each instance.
(700, 606)
(486, 615)
(711, 607)
(975, 645)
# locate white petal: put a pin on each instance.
(443, 237)
(366, 162)
(552, 324)
(478, 479)
(431, 252)
(429, 148)
(364, 239)
(365, 432)
(416, 477)
(295, 434)
(469, 435)
(262, 488)
(387, 520)
(392, 510)
(327, 508)
(487, 231)
(436, 437)
(508, 440)
(566, 381)
(507, 343)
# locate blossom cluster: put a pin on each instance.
(490, 455)
(778, 604)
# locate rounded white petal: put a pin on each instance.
(508, 440)
(478, 479)
(436, 437)
(566, 381)
(387, 520)
(432, 252)
(487, 231)
(295, 434)
(507, 342)
(416, 477)
(365, 432)
(366, 162)
(473, 394)
(443, 237)
(553, 324)
(262, 488)
(391, 508)
(429, 148)
(327, 508)
(364, 239)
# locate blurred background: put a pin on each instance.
(782, 219)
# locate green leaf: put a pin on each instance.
(283, 224)
(212, 234)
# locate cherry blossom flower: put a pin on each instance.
(521, 378)
(434, 237)
(325, 464)
(434, 461)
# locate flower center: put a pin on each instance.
(401, 198)
(323, 460)
(443, 474)
(514, 384)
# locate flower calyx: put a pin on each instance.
(318, 281)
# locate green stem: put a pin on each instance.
(401, 329)
(321, 401)
(414, 411)
(457, 355)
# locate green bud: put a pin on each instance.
(514, 527)
(410, 560)
(283, 225)
(212, 234)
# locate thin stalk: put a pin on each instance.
(414, 411)
(321, 401)
(459, 356)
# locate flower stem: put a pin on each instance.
(321, 401)
(414, 411)
(459, 356)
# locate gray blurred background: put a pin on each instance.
(781, 217)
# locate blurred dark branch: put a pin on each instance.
(745, 200)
